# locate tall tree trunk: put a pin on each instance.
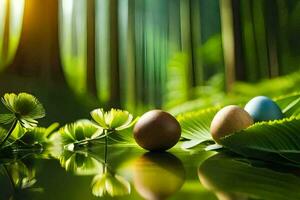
(228, 42)
(38, 52)
(114, 56)
(91, 77)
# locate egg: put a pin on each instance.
(157, 130)
(228, 120)
(262, 108)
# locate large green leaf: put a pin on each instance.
(195, 126)
(290, 104)
(277, 141)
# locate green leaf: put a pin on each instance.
(230, 177)
(25, 107)
(7, 118)
(39, 135)
(277, 141)
(114, 119)
(2, 133)
(80, 130)
(16, 134)
(196, 126)
(289, 104)
(124, 136)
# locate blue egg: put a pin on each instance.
(262, 108)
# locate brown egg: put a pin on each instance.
(157, 130)
(229, 120)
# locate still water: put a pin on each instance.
(125, 172)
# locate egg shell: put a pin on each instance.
(262, 108)
(228, 120)
(157, 130)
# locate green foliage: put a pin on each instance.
(277, 140)
(274, 87)
(177, 83)
(212, 95)
(79, 131)
(210, 51)
(195, 126)
(123, 137)
(290, 104)
(114, 119)
(17, 133)
(2, 132)
(39, 135)
(23, 107)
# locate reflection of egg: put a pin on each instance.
(262, 108)
(158, 175)
(229, 120)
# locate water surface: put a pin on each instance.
(131, 173)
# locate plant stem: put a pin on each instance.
(105, 153)
(86, 141)
(13, 126)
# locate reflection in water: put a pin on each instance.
(109, 183)
(232, 179)
(18, 179)
(80, 163)
(105, 181)
(158, 175)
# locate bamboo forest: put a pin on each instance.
(149, 99)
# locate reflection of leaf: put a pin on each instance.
(195, 126)
(110, 184)
(80, 163)
(224, 175)
(268, 140)
(22, 180)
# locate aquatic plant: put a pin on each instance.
(24, 109)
